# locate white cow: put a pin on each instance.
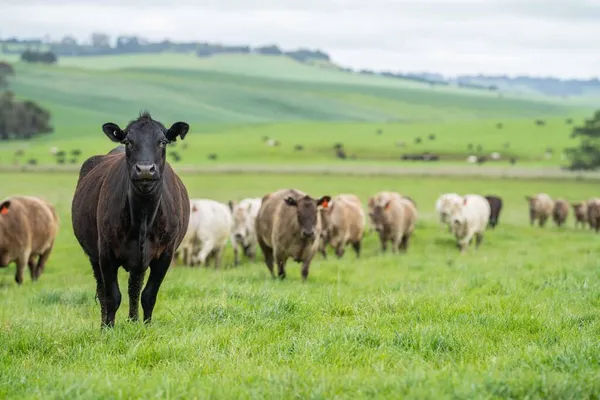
(445, 205)
(470, 220)
(209, 229)
(244, 228)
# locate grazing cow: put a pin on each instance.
(394, 219)
(540, 208)
(130, 209)
(580, 211)
(593, 213)
(560, 212)
(495, 208)
(244, 227)
(470, 221)
(288, 224)
(343, 222)
(28, 228)
(445, 205)
(209, 228)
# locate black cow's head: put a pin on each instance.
(145, 140)
(307, 209)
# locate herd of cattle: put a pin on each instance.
(131, 210)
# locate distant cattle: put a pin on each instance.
(445, 206)
(593, 213)
(341, 154)
(431, 137)
(213, 156)
(298, 147)
(343, 223)
(418, 140)
(394, 219)
(560, 212)
(378, 199)
(28, 228)
(495, 208)
(470, 221)
(580, 211)
(130, 209)
(244, 226)
(540, 208)
(289, 225)
(210, 227)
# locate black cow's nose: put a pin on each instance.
(145, 171)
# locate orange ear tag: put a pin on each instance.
(4, 211)
(325, 204)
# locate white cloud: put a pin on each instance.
(533, 37)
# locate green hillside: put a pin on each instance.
(253, 96)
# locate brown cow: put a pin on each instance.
(288, 224)
(343, 222)
(560, 212)
(580, 211)
(28, 228)
(130, 209)
(395, 221)
(540, 208)
(378, 199)
(593, 213)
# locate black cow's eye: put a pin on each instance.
(162, 143)
(126, 142)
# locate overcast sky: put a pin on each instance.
(532, 37)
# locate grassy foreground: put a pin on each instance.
(517, 319)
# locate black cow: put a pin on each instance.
(495, 208)
(130, 209)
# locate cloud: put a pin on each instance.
(534, 37)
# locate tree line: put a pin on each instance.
(19, 119)
(102, 44)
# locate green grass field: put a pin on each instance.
(516, 319)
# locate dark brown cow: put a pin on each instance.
(560, 212)
(495, 208)
(130, 209)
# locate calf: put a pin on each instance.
(445, 206)
(379, 198)
(593, 213)
(540, 208)
(244, 227)
(208, 231)
(495, 208)
(395, 219)
(343, 223)
(470, 221)
(130, 209)
(288, 224)
(560, 212)
(580, 211)
(28, 228)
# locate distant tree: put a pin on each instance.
(100, 40)
(269, 50)
(32, 56)
(587, 155)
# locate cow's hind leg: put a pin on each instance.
(22, 261)
(281, 261)
(109, 269)
(356, 247)
(41, 264)
(158, 270)
(100, 292)
(478, 239)
(32, 263)
(404, 243)
(218, 255)
(136, 280)
(268, 253)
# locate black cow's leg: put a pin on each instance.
(136, 280)
(268, 253)
(158, 270)
(109, 270)
(100, 290)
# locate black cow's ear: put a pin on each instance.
(113, 132)
(4, 207)
(290, 201)
(177, 129)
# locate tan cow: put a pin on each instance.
(593, 213)
(288, 224)
(28, 228)
(394, 220)
(541, 207)
(378, 199)
(580, 211)
(343, 223)
(560, 212)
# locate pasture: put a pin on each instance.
(518, 318)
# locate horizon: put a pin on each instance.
(460, 37)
